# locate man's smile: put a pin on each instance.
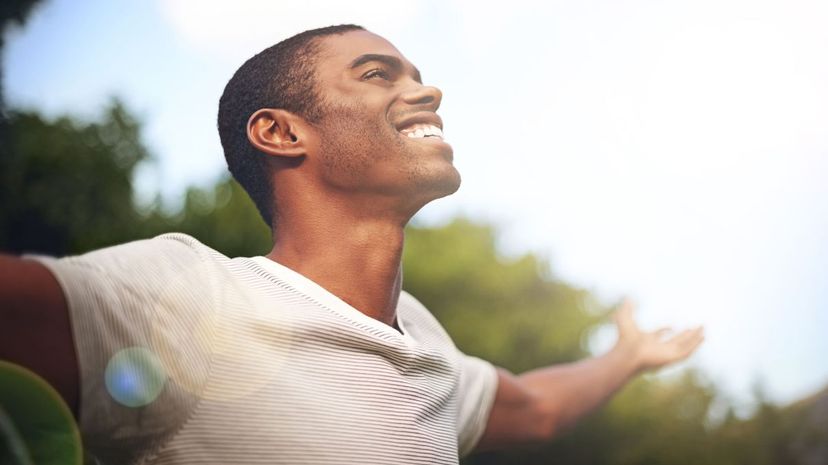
(419, 130)
(424, 126)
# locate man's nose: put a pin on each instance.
(424, 95)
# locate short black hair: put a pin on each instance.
(281, 76)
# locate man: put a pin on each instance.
(312, 354)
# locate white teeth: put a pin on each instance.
(418, 131)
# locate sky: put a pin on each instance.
(672, 151)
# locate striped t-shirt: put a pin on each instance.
(190, 357)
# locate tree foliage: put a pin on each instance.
(221, 216)
(66, 186)
(499, 308)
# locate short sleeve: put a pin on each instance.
(477, 380)
(138, 313)
(476, 394)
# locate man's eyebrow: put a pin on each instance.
(388, 60)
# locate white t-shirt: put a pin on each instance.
(243, 361)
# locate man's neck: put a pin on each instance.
(357, 261)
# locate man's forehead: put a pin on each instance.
(340, 50)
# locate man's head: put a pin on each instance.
(343, 105)
(281, 76)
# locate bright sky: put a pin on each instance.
(673, 151)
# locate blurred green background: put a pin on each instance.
(66, 187)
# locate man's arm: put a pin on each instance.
(35, 331)
(536, 405)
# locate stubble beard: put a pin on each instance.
(351, 146)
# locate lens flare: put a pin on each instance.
(135, 377)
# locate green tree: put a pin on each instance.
(66, 186)
(221, 216)
(506, 310)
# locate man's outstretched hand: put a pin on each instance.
(535, 406)
(653, 349)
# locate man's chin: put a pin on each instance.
(443, 186)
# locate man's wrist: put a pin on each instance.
(628, 357)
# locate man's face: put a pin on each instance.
(379, 133)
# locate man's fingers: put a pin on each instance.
(623, 316)
(686, 341)
(662, 333)
(685, 335)
(696, 338)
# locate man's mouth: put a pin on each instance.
(420, 131)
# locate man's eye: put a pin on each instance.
(376, 73)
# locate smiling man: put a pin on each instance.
(173, 353)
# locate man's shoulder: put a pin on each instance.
(171, 242)
(409, 306)
(418, 319)
(182, 238)
(158, 249)
(163, 258)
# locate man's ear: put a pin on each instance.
(277, 132)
